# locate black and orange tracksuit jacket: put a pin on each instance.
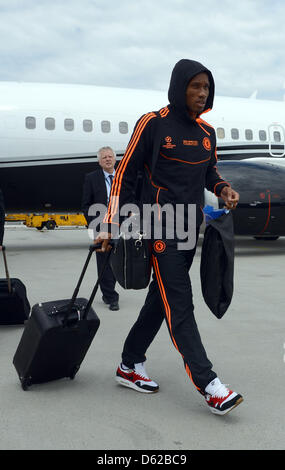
(176, 154)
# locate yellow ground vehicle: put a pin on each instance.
(50, 221)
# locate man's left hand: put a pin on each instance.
(230, 197)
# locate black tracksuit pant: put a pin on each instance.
(170, 298)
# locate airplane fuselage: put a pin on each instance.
(50, 135)
(43, 122)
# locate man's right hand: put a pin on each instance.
(104, 239)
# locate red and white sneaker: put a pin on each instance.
(222, 400)
(136, 378)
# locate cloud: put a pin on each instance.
(136, 44)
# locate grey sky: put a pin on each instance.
(128, 43)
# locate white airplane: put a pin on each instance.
(40, 120)
(50, 135)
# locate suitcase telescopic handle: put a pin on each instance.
(90, 301)
(92, 248)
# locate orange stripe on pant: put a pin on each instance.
(168, 313)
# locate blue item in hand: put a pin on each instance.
(212, 213)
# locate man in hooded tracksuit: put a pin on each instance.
(176, 151)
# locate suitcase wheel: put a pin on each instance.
(74, 372)
(25, 382)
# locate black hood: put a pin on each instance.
(182, 73)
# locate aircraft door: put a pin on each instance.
(276, 136)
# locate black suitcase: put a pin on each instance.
(14, 304)
(57, 336)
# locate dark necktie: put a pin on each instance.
(110, 182)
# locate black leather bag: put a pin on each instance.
(130, 261)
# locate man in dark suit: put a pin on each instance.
(96, 190)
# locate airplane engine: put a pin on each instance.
(261, 208)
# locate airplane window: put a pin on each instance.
(262, 135)
(221, 133)
(30, 122)
(123, 127)
(87, 125)
(248, 134)
(69, 124)
(50, 124)
(277, 136)
(235, 133)
(105, 126)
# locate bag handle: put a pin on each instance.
(6, 269)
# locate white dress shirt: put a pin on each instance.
(107, 182)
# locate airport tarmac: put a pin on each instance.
(93, 412)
